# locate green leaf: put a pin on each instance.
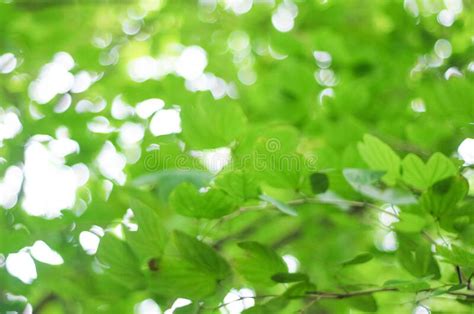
(192, 308)
(362, 177)
(456, 255)
(359, 259)
(284, 208)
(319, 182)
(444, 195)
(379, 156)
(289, 277)
(365, 303)
(275, 305)
(186, 279)
(239, 184)
(407, 286)
(207, 125)
(167, 180)
(259, 263)
(201, 255)
(123, 265)
(363, 181)
(417, 258)
(410, 223)
(421, 175)
(194, 271)
(150, 238)
(211, 204)
(299, 289)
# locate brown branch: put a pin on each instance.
(337, 295)
(318, 295)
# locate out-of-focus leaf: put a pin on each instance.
(410, 223)
(150, 238)
(201, 255)
(456, 255)
(319, 182)
(379, 156)
(239, 184)
(259, 263)
(299, 289)
(183, 278)
(208, 125)
(284, 208)
(362, 177)
(165, 181)
(365, 303)
(444, 195)
(421, 175)
(417, 259)
(289, 277)
(211, 204)
(407, 286)
(274, 305)
(359, 259)
(123, 265)
(192, 308)
(364, 181)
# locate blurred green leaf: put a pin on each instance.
(379, 156)
(259, 263)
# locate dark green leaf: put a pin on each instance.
(211, 204)
(359, 259)
(289, 277)
(319, 182)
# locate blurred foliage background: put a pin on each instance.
(110, 105)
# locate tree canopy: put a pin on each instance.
(236, 156)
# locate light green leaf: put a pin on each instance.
(211, 204)
(456, 255)
(417, 258)
(274, 305)
(364, 181)
(177, 277)
(123, 265)
(362, 177)
(165, 181)
(192, 308)
(359, 259)
(150, 238)
(365, 303)
(421, 175)
(379, 156)
(410, 223)
(299, 289)
(207, 125)
(444, 195)
(259, 263)
(201, 255)
(284, 208)
(239, 184)
(407, 286)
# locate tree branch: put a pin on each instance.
(318, 295)
(336, 295)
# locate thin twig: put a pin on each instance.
(459, 273)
